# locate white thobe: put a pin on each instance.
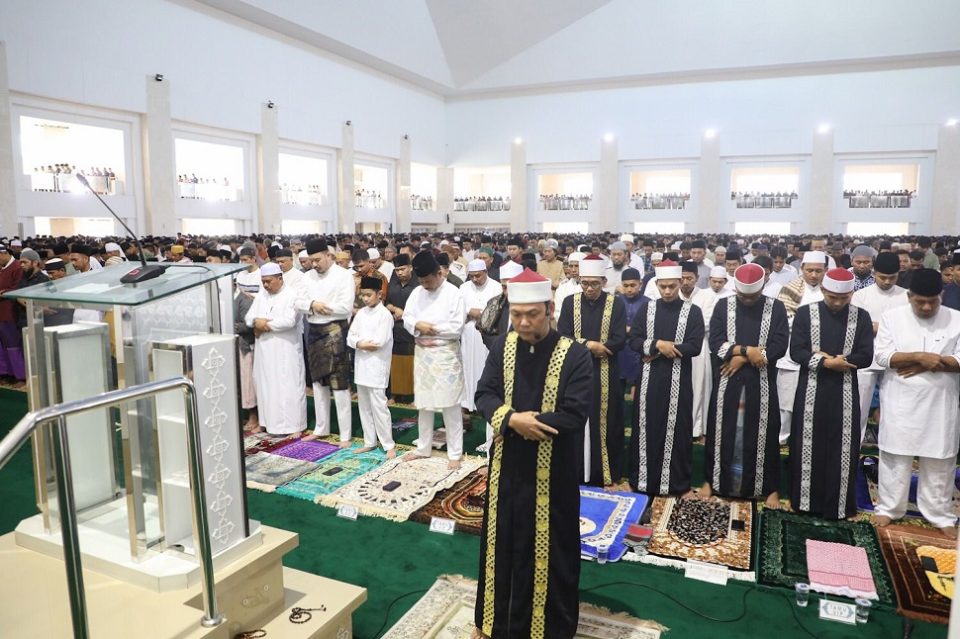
(386, 269)
(875, 302)
(785, 275)
(371, 373)
(278, 368)
(706, 300)
(471, 346)
(921, 415)
(565, 289)
(437, 364)
(613, 276)
(636, 261)
(788, 373)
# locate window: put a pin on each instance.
(762, 228)
(565, 191)
(883, 186)
(54, 152)
(423, 187)
(869, 229)
(303, 180)
(208, 171)
(481, 189)
(764, 187)
(371, 185)
(662, 189)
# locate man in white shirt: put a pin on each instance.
(569, 286)
(326, 298)
(782, 272)
(920, 345)
(376, 260)
(877, 299)
(706, 299)
(434, 315)
(476, 292)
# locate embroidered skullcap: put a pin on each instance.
(110, 247)
(626, 237)
(749, 278)
(630, 274)
(718, 271)
(176, 249)
(16, 243)
(887, 263)
(373, 254)
(476, 265)
(689, 266)
(510, 270)
(486, 250)
(317, 245)
(618, 246)
(926, 282)
(424, 264)
(575, 257)
(668, 270)
(401, 259)
(838, 280)
(593, 266)
(863, 251)
(270, 268)
(30, 254)
(372, 283)
(814, 257)
(529, 288)
(303, 253)
(552, 243)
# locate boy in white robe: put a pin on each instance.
(371, 335)
(276, 325)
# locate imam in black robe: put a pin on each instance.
(825, 433)
(763, 455)
(515, 532)
(650, 442)
(591, 319)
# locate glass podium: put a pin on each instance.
(89, 333)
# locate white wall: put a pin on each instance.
(98, 52)
(869, 112)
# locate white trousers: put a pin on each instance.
(787, 392)
(866, 381)
(452, 421)
(375, 417)
(934, 489)
(321, 407)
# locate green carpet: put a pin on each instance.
(391, 560)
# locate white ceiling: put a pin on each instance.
(478, 48)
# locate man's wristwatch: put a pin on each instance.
(743, 351)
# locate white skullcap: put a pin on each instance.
(444, 243)
(626, 237)
(16, 243)
(670, 271)
(109, 247)
(476, 265)
(224, 247)
(277, 244)
(303, 254)
(718, 271)
(575, 257)
(270, 268)
(656, 256)
(509, 270)
(593, 266)
(814, 257)
(373, 254)
(676, 246)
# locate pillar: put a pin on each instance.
(606, 194)
(346, 210)
(945, 201)
(404, 215)
(709, 205)
(445, 199)
(9, 222)
(268, 170)
(159, 162)
(519, 216)
(821, 186)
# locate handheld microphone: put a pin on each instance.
(145, 271)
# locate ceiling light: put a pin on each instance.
(823, 128)
(710, 134)
(608, 137)
(953, 122)
(518, 140)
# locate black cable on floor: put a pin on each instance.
(386, 615)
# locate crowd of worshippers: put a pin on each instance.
(749, 343)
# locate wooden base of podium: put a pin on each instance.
(254, 592)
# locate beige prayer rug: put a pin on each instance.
(398, 488)
(446, 612)
(709, 529)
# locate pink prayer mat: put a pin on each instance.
(839, 569)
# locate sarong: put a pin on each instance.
(11, 351)
(401, 375)
(248, 390)
(328, 355)
(438, 374)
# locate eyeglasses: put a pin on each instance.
(593, 284)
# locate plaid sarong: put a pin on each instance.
(328, 356)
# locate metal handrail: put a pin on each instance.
(68, 521)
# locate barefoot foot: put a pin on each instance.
(454, 464)
(773, 501)
(689, 495)
(880, 520)
(949, 531)
(311, 437)
(392, 453)
(706, 490)
(410, 457)
(346, 444)
(363, 449)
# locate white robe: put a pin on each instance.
(372, 368)
(566, 288)
(702, 371)
(921, 415)
(278, 368)
(441, 384)
(471, 346)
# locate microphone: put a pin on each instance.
(144, 271)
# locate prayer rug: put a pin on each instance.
(709, 529)
(604, 518)
(266, 471)
(311, 451)
(783, 543)
(922, 564)
(264, 443)
(446, 612)
(868, 495)
(405, 424)
(463, 503)
(839, 569)
(332, 472)
(398, 488)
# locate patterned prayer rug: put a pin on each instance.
(604, 518)
(263, 443)
(399, 488)
(922, 564)
(332, 472)
(463, 503)
(266, 471)
(311, 451)
(712, 530)
(446, 612)
(783, 548)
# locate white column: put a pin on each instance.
(445, 198)
(347, 209)
(945, 209)
(268, 170)
(404, 215)
(8, 172)
(606, 193)
(820, 219)
(709, 205)
(519, 218)
(159, 162)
